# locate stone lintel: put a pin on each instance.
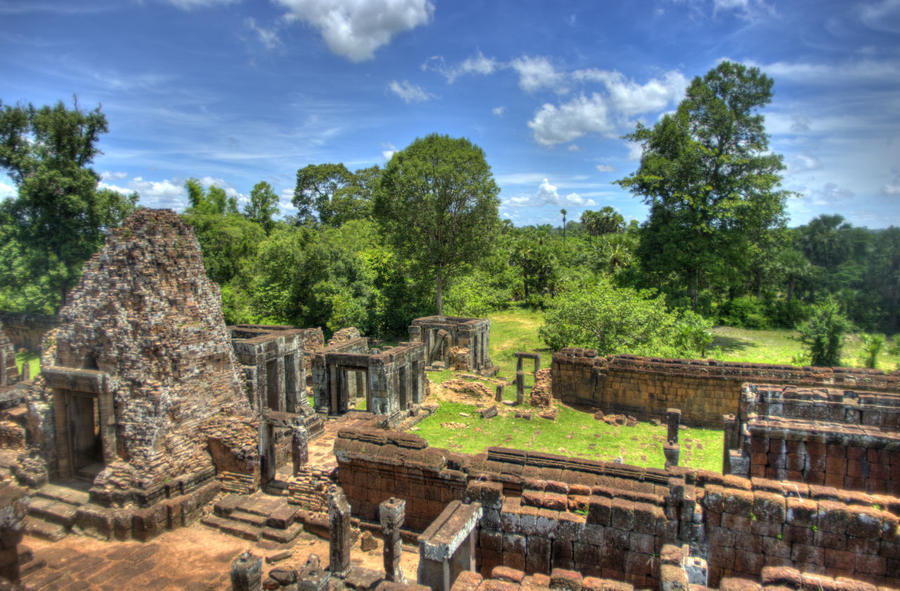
(448, 532)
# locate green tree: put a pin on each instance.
(59, 217)
(563, 212)
(263, 206)
(872, 344)
(609, 319)
(710, 182)
(605, 221)
(437, 204)
(823, 333)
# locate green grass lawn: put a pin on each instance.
(33, 359)
(573, 433)
(780, 346)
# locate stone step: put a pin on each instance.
(260, 505)
(44, 529)
(233, 528)
(63, 494)
(53, 511)
(227, 504)
(244, 517)
(282, 517)
(283, 536)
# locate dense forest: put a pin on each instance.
(376, 247)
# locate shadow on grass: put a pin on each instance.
(729, 344)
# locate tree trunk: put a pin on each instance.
(440, 295)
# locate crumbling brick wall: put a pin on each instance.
(8, 371)
(543, 511)
(842, 438)
(25, 331)
(704, 390)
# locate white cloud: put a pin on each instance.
(605, 168)
(268, 37)
(191, 4)
(609, 113)
(635, 151)
(893, 189)
(498, 111)
(113, 175)
(536, 73)
(409, 92)
(804, 162)
(548, 194)
(356, 28)
(883, 15)
(576, 199)
(165, 193)
(828, 194)
(389, 151)
(831, 74)
(477, 64)
(573, 148)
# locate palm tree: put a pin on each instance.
(563, 212)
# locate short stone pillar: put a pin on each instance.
(299, 447)
(671, 451)
(246, 572)
(339, 528)
(311, 576)
(391, 513)
(26, 371)
(498, 394)
(673, 422)
(520, 385)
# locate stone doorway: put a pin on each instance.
(84, 432)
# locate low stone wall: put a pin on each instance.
(543, 511)
(704, 390)
(25, 330)
(842, 438)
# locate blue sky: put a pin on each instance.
(234, 92)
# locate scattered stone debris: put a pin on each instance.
(367, 542)
(489, 412)
(550, 413)
(542, 392)
(453, 426)
(523, 414)
(474, 389)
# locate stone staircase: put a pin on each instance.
(52, 509)
(255, 517)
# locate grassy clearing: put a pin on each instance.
(459, 427)
(32, 359)
(781, 346)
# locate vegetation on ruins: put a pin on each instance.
(823, 333)
(60, 215)
(437, 204)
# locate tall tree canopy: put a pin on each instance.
(438, 205)
(710, 182)
(332, 195)
(263, 206)
(60, 216)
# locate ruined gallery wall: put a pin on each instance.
(704, 390)
(26, 330)
(842, 438)
(608, 520)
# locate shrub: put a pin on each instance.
(692, 335)
(609, 319)
(823, 333)
(745, 312)
(872, 344)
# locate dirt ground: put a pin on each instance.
(195, 558)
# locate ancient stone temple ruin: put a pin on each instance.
(139, 391)
(452, 342)
(390, 381)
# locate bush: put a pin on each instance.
(745, 312)
(872, 344)
(475, 296)
(609, 319)
(823, 333)
(691, 334)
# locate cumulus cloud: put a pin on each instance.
(354, 29)
(548, 194)
(881, 16)
(106, 175)
(409, 92)
(892, 189)
(165, 193)
(498, 111)
(573, 148)
(536, 73)
(476, 64)
(268, 37)
(604, 168)
(389, 151)
(605, 113)
(828, 194)
(803, 162)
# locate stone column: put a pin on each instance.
(498, 395)
(671, 451)
(339, 528)
(246, 572)
(299, 447)
(392, 512)
(520, 385)
(673, 421)
(26, 371)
